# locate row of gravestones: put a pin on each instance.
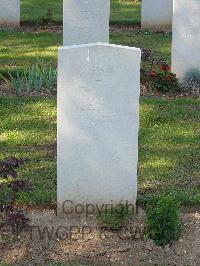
(98, 111)
(98, 101)
(183, 17)
(157, 16)
(82, 25)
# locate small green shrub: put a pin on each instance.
(163, 220)
(46, 18)
(34, 78)
(114, 218)
(156, 73)
(9, 188)
(164, 81)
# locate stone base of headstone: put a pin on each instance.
(9, 13)
(98, 123)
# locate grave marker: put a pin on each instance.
(86, 21)
(9, 13)
(98, 122)
(157, 14)
(186, 37)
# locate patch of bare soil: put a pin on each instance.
(124, 28)
(114, 28)
(59, 28)
(51, 239)
(5, 90)
(40, 29)
(167, 95)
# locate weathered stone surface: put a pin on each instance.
(98, 121)
(186, 37)
(9, 13)
(86, 21)
(157, 14)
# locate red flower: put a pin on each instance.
(165, 68)
(153, 74)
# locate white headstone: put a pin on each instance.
(85, 21)
(186, 37)
(9, 13)
(98, 121)
(157, 14)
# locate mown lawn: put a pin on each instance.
(169, 151)
(19, 48)
(125, 12)
(122, 11)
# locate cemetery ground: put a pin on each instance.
(168, 162)
(127, 12)
(169, 152)
(168, 126)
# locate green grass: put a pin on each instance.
(114, 218)
(125, 12)
(122, 11)
(28, 129)
(169, 144)
(19, 48)
(168, 155)
(169, 149)
(33, 10)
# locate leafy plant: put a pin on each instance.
(34, 78)
(164, 81)
(17, 221)
(155, 72)
(9, 188)
(8, 167)
(13, 81)
(163, 220)
(47, 18)
(150, 60)
(114, 218)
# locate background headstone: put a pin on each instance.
(98, 121)
(9, 13)
(186, 37)
(157, 14)
(86, 21)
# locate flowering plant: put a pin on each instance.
(164, 81)
(156, 73)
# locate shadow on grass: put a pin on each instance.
(169, 152)
(169, 149)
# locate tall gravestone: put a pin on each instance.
(85, 21)
(186, 37)
(98, 121)
(9, 13)
(157, 14)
